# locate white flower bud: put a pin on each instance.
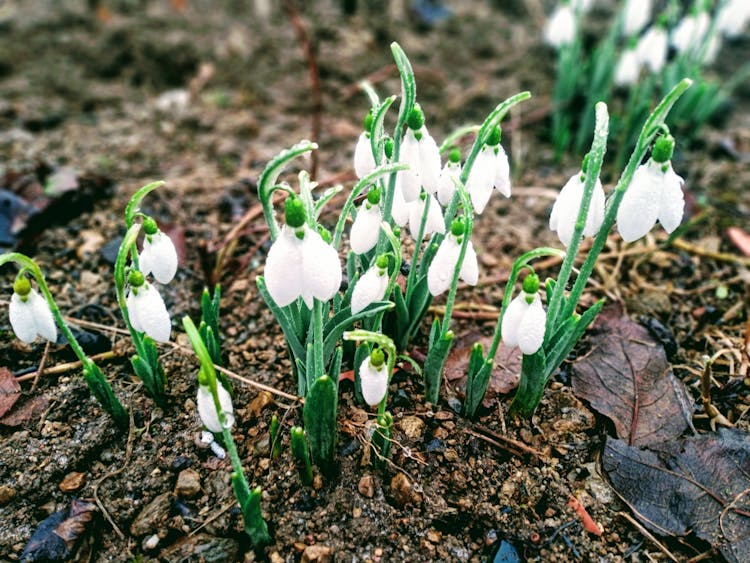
(369, 288)
(524, 323)
(374, 381)
(364, 161)
(159, 257)
(443, 266)
(306, 267)
(636, 15)
(568, 203)
(652, 48)
(207, 408)
(434, 223)
(447, 182)
(366, 228)
(148, 313)
(627, 69)
(561, 27)
(30, 316)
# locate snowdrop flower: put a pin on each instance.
(450, 173)
(443, 266)
(635, 16)
(733, 17)
(364, 161)
(652, 48)
(159, 256)
(400, 209)
(207, 407)
(420, 151)
(628, 68)
(30, 314)
(371, 286)
(690, 32)
(366, 227)
(561, 26)
(373, 377)
(434, 222)
(654, 194)
(568, 203)
(525, 319)
(300, 263)
(146, 308)
(490, 169)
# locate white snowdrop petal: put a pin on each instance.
(447, 184)
(637, 213)
(366, 228)
(672, 202)
(561, 26)
(369, 289)
(502, 172)
(565, 209)
(152, 314)
(400, 209)
(652, 48)
(627, 69)
(470, 268)
(733, 17)
(480, 180)
(321, 269)
(532, 326)
(636, 15)
(440, 273)
(429, 162)
(207, 409)
(283, 271)
(364, 161)
(22, 319)
(595, 216)
(43, 319)
(130, 302)
(374, 382)
(409, 153)
(159, 257)
(512, 320)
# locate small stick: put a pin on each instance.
(719, 256)
(487, 435)
(64, 368)
(40, 370)
(649, 535)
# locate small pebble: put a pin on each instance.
(72, 482)
(188, 484)
(366, 486)
(150, 542)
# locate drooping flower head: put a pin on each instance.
(373, 377)
(525, 319)
(159, 256)
(629, 66)
(653, 46)
(655, 193)
(688, 36)
(561, 26)
(30, 314)
(420, 151)
(364, 161)
(300, 263)
(636, 15)
(568, 203)
(366, 227)
(371, 286)
(443, 266)
(434, 222)
(450, 173)
(207, 407)
(146, 308)
(490, 169)
(732, 18)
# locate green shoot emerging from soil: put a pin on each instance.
(216, 416)
(32, 315)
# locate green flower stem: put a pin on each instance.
(408, 95)
(133, 207)
(651, 128)
(596, 158)
(267, 181)
(383, 342)
(410, 284)
(99, 384)
(469, 226)
(383, 170)
(317, 369)
(370, 92)
(126, 248)
(253, 521)
(451, 139)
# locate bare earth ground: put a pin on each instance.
(86, 93)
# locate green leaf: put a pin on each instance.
(283, 318)
(341, 321)
(435, 361)
(249, 501)
(301, 455)
(531, 385)
(319, 414)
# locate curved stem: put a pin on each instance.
(126, 247)
(131, 210)
(383, 342)
(451, 139)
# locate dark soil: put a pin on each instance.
(92, 92)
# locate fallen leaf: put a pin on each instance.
(626, 377)
(10, 391)
(740, 239)
(57, 534)
(25, 411)
(505, 374)
(698, 484)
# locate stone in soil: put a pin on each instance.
(188, 484)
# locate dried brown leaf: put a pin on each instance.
(626, 377)
(25, 411)
(10, 390)
(698, 484)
